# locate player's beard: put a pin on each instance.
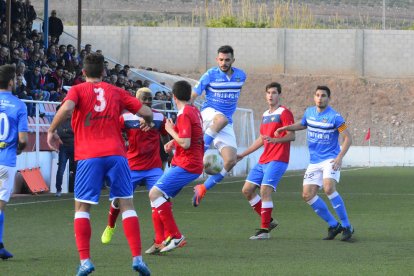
(227, 68)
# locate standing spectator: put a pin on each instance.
(66, 152)
(96, 108)
(187, 165)
(16, 10)
(12, 142)
(29, 11)
(324, 125)
(217, 111)
(55, 26)
(273, 162)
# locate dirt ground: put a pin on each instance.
(386, 106)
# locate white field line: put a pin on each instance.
(212, 192)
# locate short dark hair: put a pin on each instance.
(7, 73)
(182, 90)
(226, 49)
(324, 88)
(93, 65)
(274, 85)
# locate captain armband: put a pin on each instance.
(342, 127)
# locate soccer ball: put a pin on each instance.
(213, 163)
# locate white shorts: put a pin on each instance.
(226, 136)
(315, 173)
(7, 175)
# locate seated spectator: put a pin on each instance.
(106, 68)
(15, 57)
(3, 41)
(67, 55)
(88, 48)
(81, 57)
(57, 80)
(116, 70)
(13, 43)
(158, 96)
(51, 53)
(36, 83)
(113, 79)
(67, 78)
(33, 61)
(121, 81)
(125, 71)
(20, 71)
(4, 56)
(79, 79)
(21, 92)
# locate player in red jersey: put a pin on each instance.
(144, 162)
(187, 164)
(272, 163)
(101, 155)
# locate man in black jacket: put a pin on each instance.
(55, 26)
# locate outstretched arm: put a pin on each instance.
(294, 127)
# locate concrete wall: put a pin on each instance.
(318, 52)
(356, 157)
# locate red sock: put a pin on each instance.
(112, 216)
(258, 207)
(82, 227)
(158, 227)
(132, 232)
(266, 215)
(167, 218)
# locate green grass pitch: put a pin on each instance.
(39, 232)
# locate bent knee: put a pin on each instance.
(307, 196)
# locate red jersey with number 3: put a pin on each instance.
(189, 125)
(95, 120)
(270, 122)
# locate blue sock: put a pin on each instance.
(214, 179)
(209, 136)
(339, 207)
(322, 211)
(1, 226)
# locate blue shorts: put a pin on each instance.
(267, 174)
(91, 174)
(147, 178)
(171, 182)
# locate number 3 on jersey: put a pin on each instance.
(100, 97)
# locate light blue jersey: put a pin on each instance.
(222, 92)
(322, 133)
(13, 119)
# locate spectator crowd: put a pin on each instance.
(43, 74)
